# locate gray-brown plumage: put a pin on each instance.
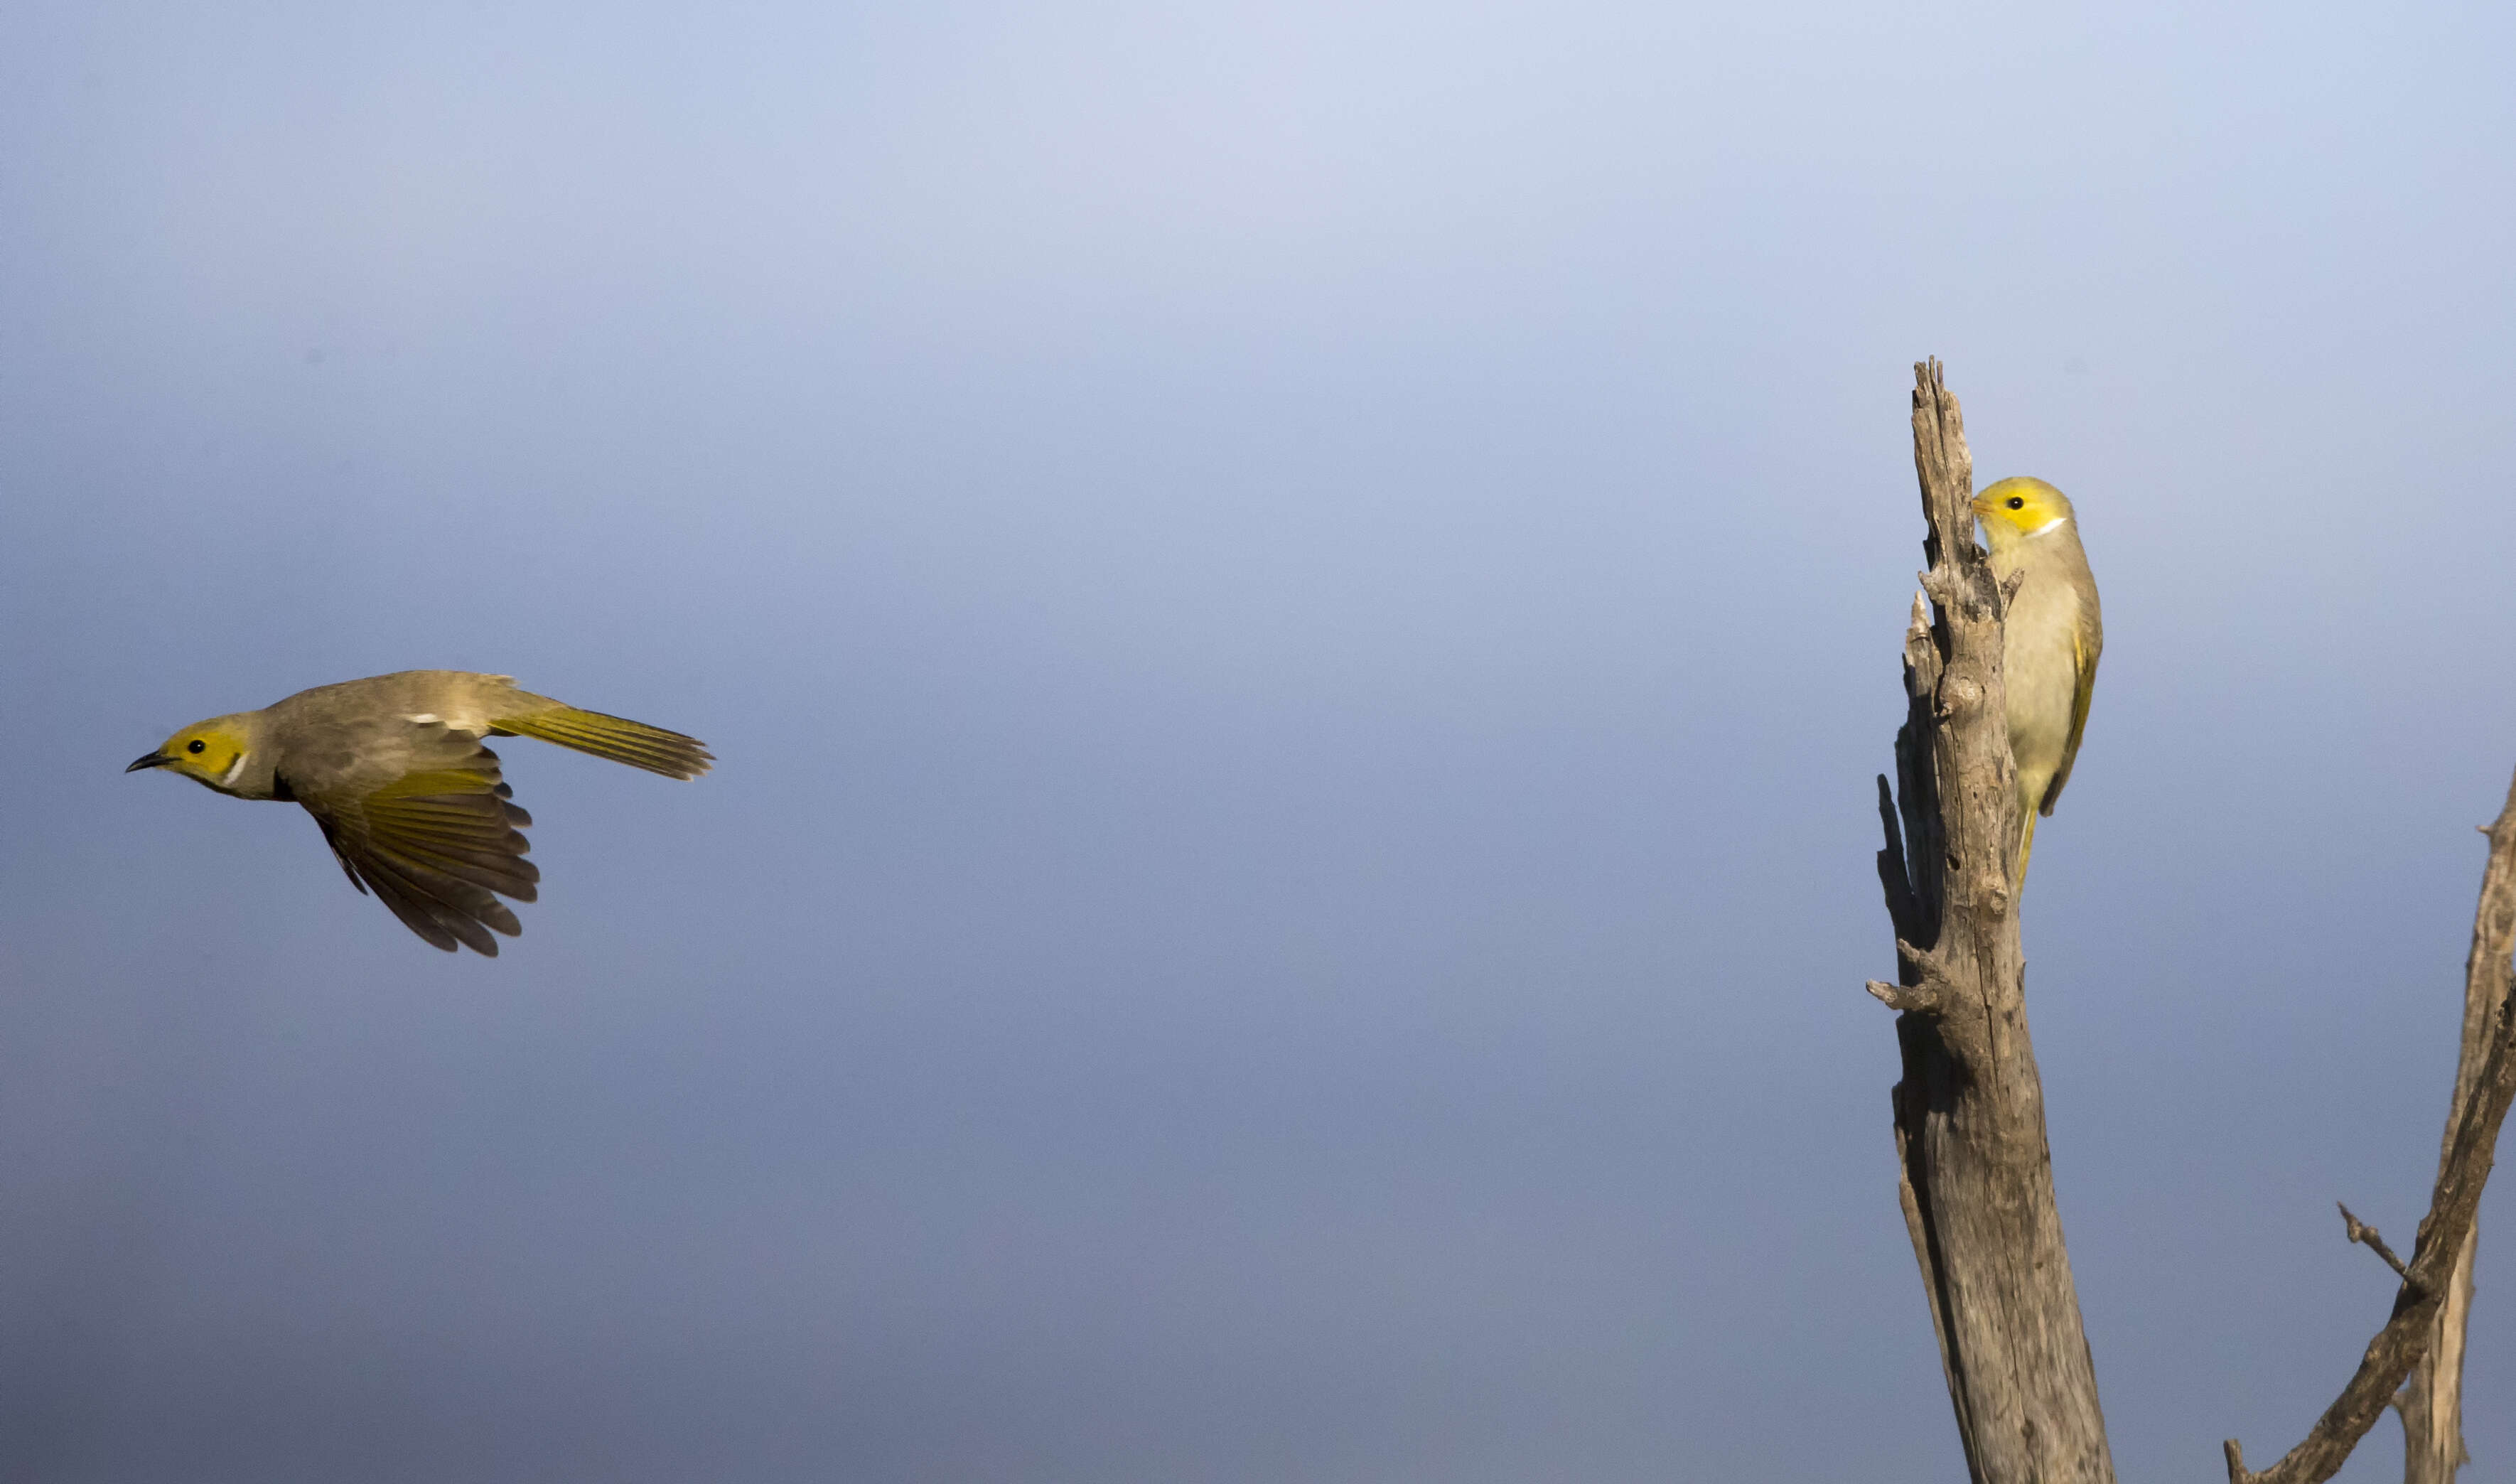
(393, 772)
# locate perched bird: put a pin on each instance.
(393, 770)
(2054, 635)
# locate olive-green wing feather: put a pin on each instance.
(437, 844)
(2083, 656)
(616, 738)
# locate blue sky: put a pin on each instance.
(1299, 605)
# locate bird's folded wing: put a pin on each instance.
(2083, 659)
(437, 844)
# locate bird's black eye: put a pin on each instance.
(2017, 503)
(196, 746)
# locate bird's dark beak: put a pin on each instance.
(152, 760)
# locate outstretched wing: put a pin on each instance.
(418, 815)
(2083, 656)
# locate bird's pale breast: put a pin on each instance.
(2042, 663)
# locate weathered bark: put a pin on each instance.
(1976, 1175)
(2431, 1402)
(2485, 1085)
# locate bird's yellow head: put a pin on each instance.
(2015, 509)
(218, 754)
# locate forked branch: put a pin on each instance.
(2472, 1141)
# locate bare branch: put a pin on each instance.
(2356, 1230)
(2472, 1138)
(1922, 999)
(1975, 1180)
(2431, 1403)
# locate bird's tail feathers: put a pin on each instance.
(616, 738)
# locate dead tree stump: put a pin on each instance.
(1976, 1178)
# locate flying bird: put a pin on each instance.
(2053, 637)
(393, 770)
